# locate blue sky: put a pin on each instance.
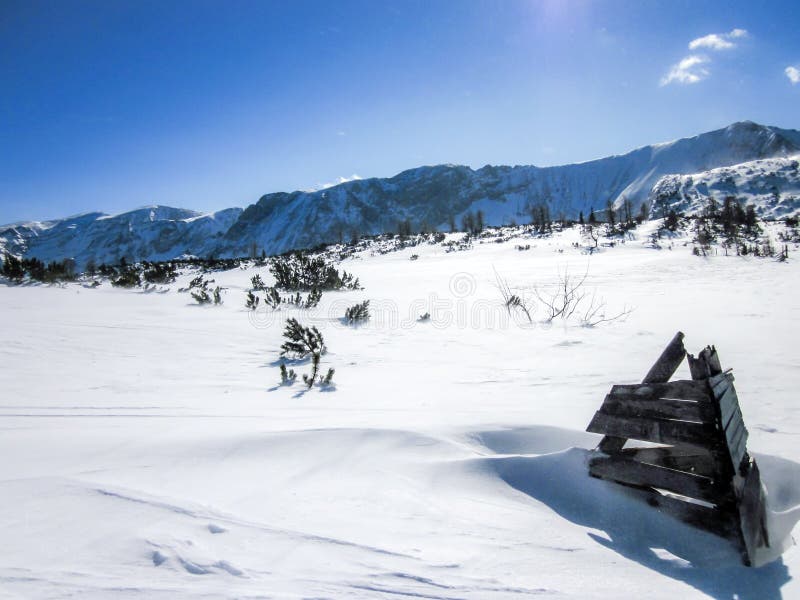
(114, 105)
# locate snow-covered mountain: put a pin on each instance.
(431, 195)
(772, 185)
(151, 232)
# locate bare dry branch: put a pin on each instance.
(510, 299)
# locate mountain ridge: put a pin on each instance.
(428, 196)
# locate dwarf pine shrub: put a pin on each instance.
(201, 291)
(357, 313)
(301, 341)
(328, 379)
(159, 272)
(300, 272)
(288, 376)
(252, 300)
(274, 299)
(257, 283)
(201, 296)
(129, 278)
(12, 267)
(309, 379)
(313, 298)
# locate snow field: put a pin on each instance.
(150, 452)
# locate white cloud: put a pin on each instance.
(713, 41)
(323, 186)
(689, 70)
(718, 41)
(694, 68)
(793, 73)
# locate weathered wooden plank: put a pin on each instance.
(752, 512)
(733, 422)
(713, 520)
(611, 444)
(674, 390)
(713, 361)
(632, 472)
(738, 446)
(733, 432)
(705, 365)
(669, 361)
(691, 459)
(728, 406)
(684, 410)
(660, 372)
(719, 383)
(731, 418)
(653, 430)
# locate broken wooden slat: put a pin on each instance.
(636, 473)
(684, 410)
(653, 430)
(705, 365)
(673, 390)
(660, 372)
(684, 458)
(668, 362)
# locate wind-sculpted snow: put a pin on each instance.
(428, 197)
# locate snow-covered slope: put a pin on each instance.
(432, 195)
(772, 185)
(429, 196)
(151, 232)
(148, 450)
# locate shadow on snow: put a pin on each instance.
(626, 524)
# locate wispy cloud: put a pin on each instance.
(793, 73)
(694, 68)
(324, 186)
(690, 70)
(718, 41)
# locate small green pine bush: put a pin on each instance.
(357, 313)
